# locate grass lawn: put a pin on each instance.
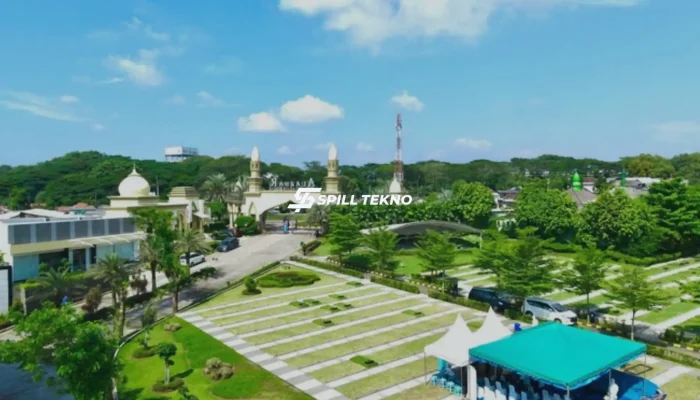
(411, 264)
(374, 340)
(685, 387)
(646, 371)
(561, 296)
(669, 312)
(237, 293)
(388, 378)
(677, 277)
(381, 357)
(692, 325)
(285, 308)
(290, 216)
(323, 250)
(422, 392)
(194, 348)
(345, 332)
(319, 312)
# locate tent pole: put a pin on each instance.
(644, 381)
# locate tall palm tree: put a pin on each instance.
(237, 194)
(116, 272)
(57, 284)
(318, 215)
(191, 241)
(217, 187)
(150, 254)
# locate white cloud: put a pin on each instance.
(110, 81)
(37, 105)
(474, 144)
(206, 99)
(407, 101)
(98, 127)
(309, 110)
(142, 71)
(677, 131)
(176, 100)
(364, 147)
(69, 99)
(323, 146)
(371, 22)
(226, 66)
(260, 122)
(285, 150)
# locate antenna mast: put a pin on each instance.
(398, 163)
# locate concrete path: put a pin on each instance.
(677, 320)
(396, 389)
(670, 375)
(376, 370)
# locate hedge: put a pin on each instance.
(285, 279)
(173, 385)
(462, 301)
(328, 267)
(643, 261)
(406, 287)
(311, 246)
(674, 356)
(142, 352)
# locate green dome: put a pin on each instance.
(576, 178)
(576, 182)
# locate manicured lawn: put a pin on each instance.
(411, 264)
(374, 340)
(685, 387)
(194, 348)
(692, 325)
(315, 313)
(422, 392)
(388, 378)
(285, 308)
(345, 332)
(561, 296)
(647, 371)
(323, 250)
(678, 277)
(237, 293)
(290, 216)
(669, 312)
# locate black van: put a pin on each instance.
(499, 301)
(227, 244)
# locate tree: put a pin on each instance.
(82, 352)
(318, 215)
(251, 286)
(676, 207)
(436, 251)
(218, 210)
(93, 299)
(472, 202)
(552, 212)
(217, 187)
(19, 199)
(648, 165)
(148, 318)
(57, 284)
(166, 351)
(116, 272)
(345, 235)
(587, 274)
(382, 244)
(191, 241)
(160, 238)
(635, 292)
(178, 278)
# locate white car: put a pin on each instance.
(549, 310)
(195, 258)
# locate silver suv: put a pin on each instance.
(549, 310)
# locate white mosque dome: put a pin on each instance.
(134, 185)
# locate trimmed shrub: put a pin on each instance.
(288, 279)
(354, 283)
(338, 296)
(413, 313)
(331, 308)
(142, 352)
(173, 385)
(247, 225)
(674, 356)
(310, 247)
(299, 304)
(251, 287)
(92, 300)
(204, 273)
(462, 301)
(218, 370)
(312, 302)
(364, 361)
(323, 322)
(174, 327)
(360, 262)
(406, 287)
(328, 267)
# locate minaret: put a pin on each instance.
(396, 185)
(576, 182)
(332, 178)
(254, 182)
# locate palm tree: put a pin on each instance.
(150, 254)
(57, 284)
(217, 187)
(116, 272)
(191, 241)
(318, 215)
(237, 194)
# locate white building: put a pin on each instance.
(179, 153)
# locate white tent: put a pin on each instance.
(491, 330)
(454, 346)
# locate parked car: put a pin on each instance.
(549, 310)
(227, 244)
(195, 259)
(498, 300)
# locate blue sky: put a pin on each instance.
(473, 78)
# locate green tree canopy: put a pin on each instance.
(676, 207)
(382, 244)
(345, 235)
(551, 212)
(436, 252)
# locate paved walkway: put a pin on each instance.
(390, 391)
(677, 320)
(670, 375)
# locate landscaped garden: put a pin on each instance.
(685, 387)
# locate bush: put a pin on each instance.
(323, 322)
(462, 301)
(214, 245)
(171, 327)
(92, 300)
(4, 321)
(413, 313)
(364, 361)
(406, 287)
(173, 385)
(284, 279)
(307, 248)
(251, 287)
(328, 267)
(561, 247)
(103, 314)
(204, 273)
(674, 356)
(138, 299)
(643, 261)
(142, 352)
(217, 369)
(247, 225)
(354, 283)
(675, 334)
(215, 227)
(360, 262)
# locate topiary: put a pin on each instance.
(171, 327)
(174, 384)
(144, 352)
